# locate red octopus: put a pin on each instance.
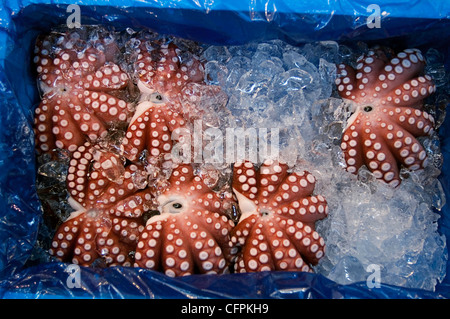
(161, 67)
(276, 230)
(387, 96)
(109, 206)
(191, 234)
(80, 86)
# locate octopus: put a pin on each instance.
(387, 96)
(276, 230)
(163, 68)
(81, 88)
(173, 94)
(191, 233)
(109, 209)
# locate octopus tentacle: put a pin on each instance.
(368, 67)
(382, 158)
(406, 149)
(172, 253)
(346, 81)
(418, 123)
(108, 77)
(406, 65)
(132, 206)
(276, 228)
(65, 62)
(248, 171)
(309, 210)
(64, 128)
(411, 93)
(89, 173)
(306, 240)
(44, 138)
(106, 108)
(112, 248)
(126, 229)
(387, 97)
(86, 236)
(66, 237)
(79, 118)
(353, 146)
(271, 175)
(85, 125)
(90, 235)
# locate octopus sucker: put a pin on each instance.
(387, 96)
(276, 230)
(85, 237)
(191, 233)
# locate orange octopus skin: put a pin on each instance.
(387, 95)
(109, 208)
(276, 230)
(191, 234)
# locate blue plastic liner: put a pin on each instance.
(404, 23)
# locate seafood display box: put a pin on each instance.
(260, 44)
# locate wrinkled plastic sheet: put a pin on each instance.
(405, 23)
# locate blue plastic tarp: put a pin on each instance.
(407, 23)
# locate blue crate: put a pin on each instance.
(420, 24)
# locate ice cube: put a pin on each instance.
(215, 73)
(54, 169)
(348, 270)
(220, 54)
